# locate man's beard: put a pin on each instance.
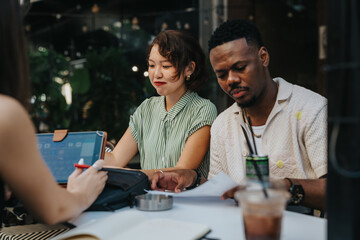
(249, 103)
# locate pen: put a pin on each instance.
(81, 165)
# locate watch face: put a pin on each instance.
(297, 194)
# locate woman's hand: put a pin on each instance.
(89, 183)
(175, 180)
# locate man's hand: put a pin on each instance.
(230, 193)
(175, 180)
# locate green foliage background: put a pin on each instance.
(104, 92)
(48, 104)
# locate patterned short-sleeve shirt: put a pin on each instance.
(161, 135)
(294, 137)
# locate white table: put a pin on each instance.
(224, 219)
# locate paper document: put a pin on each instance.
(135, 225)
(215, 187)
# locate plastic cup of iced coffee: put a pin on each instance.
(262, 216)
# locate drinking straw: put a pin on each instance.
(247, 141)
(257, 170)
(252, 133)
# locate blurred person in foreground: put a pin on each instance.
(289, 122)
(22, 169)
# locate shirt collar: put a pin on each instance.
(284, 92)
(183, 101)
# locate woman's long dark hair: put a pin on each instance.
(14, 69)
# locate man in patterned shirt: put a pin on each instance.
(289, 122)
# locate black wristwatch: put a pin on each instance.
(297, 193)
(197, 181)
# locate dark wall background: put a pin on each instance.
(343, 83)
(289, 31)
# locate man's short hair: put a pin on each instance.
(235, 29)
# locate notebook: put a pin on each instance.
(62, 151)
(136, 225)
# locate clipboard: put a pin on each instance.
(62, 149)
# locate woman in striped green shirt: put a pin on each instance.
(171, 130)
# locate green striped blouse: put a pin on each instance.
(161, 135)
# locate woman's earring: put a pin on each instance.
(187, 78)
